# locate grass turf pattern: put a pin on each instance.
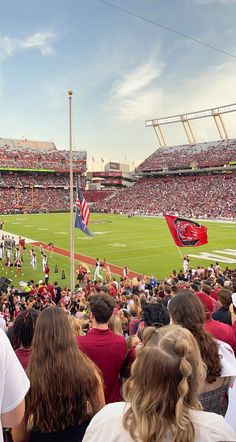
(144, 244)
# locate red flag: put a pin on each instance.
(185, 232)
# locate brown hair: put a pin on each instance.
(225, 297)
(63, 381)
(206, 289)
(163, 386)
(23, 328)
(187, 310)
(102, 307)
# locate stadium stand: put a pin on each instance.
(196, 181)
(34, 175)
(204, 196)
(39, 155)
(93, 196)
(199, 155)
(163, 183)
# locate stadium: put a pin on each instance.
(138, 257)
(118, 221)
(194, 181)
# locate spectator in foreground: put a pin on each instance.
(154, 315)
(186, 310)
(22, 335)
(223, 313)
(66, 388)
(161, 396)
(107, 349)
(14, 386)
(219, 330)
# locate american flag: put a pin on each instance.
(82, 213)
(83, 207)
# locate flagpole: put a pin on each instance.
(72, 276)
(182, 256)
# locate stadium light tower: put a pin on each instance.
(215, 113)
(72, 276)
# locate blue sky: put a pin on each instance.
(122, 71)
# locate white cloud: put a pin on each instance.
(214, 87)
(133, 95)
(161, 97)
(138, 80)
(43, 41)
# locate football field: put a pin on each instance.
(144, 244)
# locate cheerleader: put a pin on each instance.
(185, 264)
(8, 263)
(50, 248)
(44, 261)
(33, 261)
(125, 272)
(107, 271)
(1, 252)
(97, 270)
(18, 265)
(17, 253)
(31, 251)
(41, 249)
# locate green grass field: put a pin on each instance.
(143, 243)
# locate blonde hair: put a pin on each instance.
(115, 325)
(75, 325)
(163, 386)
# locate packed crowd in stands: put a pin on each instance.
(199, 155)
(40, 192)
(129, 359)
(19, 179)
(37, 199)
(189, 196)
(38, 155)
(93, 196)
(205, 196)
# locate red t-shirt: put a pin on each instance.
(50, 289)
(214, 294)
(112, 291)
(108, 351)
(23, 355)
(224, 332)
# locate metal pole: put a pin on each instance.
(72, 276)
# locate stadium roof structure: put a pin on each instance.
(24, 143)
(215, 113)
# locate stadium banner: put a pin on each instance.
(185, 232)
(21, 169)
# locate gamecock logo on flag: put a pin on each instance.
(185, 232)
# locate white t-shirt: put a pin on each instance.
(14, 382)
(107, 426)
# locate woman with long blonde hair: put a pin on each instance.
(161, 396)
(187, 310)
(65, 386)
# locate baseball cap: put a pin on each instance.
(206, 302)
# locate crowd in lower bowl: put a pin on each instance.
(130, 360)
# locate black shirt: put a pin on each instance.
(70, 434)
(222, 315)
